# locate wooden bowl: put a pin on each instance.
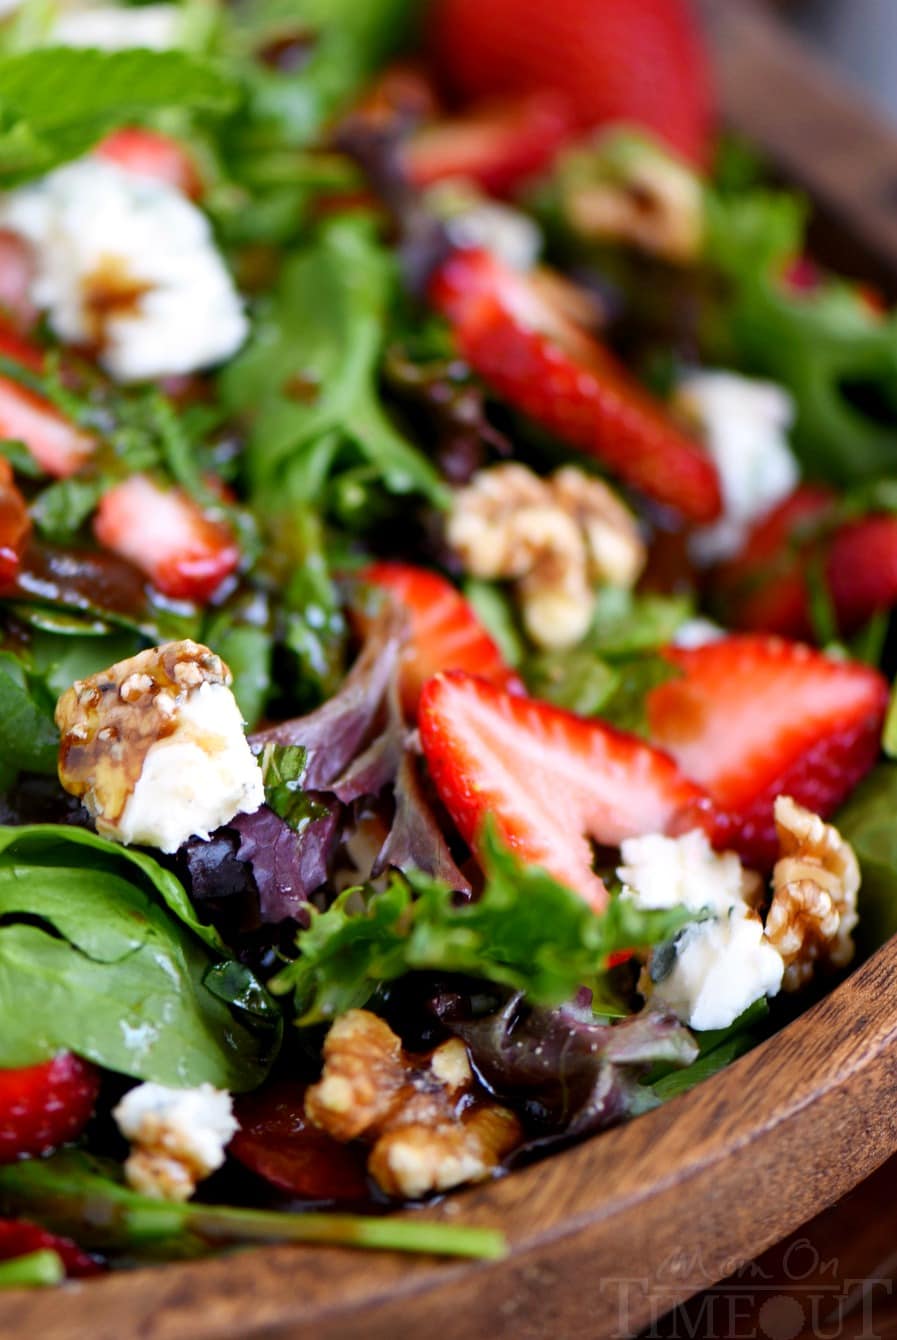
(609, 1235)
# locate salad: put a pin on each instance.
(448, 539)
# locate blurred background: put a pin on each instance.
(860, 36)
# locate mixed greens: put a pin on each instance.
(516, 623)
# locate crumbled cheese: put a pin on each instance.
(155, 747)
(472, 220)
(719, 969)
(745, 426)
(684, 871)
(195, 780)
(117, 27)
(697, 633)
(178, 1136)
(127, 266)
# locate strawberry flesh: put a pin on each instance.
(18, 1237)
(752, 718)
(43, 1106)
(547, 778)
(537, 359)
(147, 153)
(637, 61)
(56, 444)
(278, 1142)
(185, 552)
(497, 146)
(765, 587)
(15, 525)
(445, 634)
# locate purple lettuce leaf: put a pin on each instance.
(570, 1073)
(415, 841)
(337, 731)
(288, 865)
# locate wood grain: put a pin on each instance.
(815, 130)
(608, 1236)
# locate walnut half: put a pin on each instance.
(427, 1130)
(815, 884)
(556, 539)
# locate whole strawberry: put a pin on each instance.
(639, 61)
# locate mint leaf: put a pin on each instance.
(55, 103)
(525, 931)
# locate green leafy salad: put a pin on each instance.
(448, 546)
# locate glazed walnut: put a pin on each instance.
(815, 884)
(427, 1130)
(556, 539)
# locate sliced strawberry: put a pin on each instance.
(25, 416)
(147, 153)
(639, 61)
(546, 777)
(766, 588)
(15, 525)
(185, 552)
(545, 365)
(17, 273)
(752, 718)
(497, 145)
(42, 1106)
(278, 1142)
(445, 632)
(18, 1237)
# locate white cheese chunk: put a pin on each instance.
(697, 632)
(196, 779)
(745, 426)
(128, 266)
(178, 1136)
(117, 27)
(685, 871)
(719, 969)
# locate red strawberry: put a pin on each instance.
(147, 153)
(18, 1237)
(544, 364)
(17, 271)
(640, 61)
(752, 718)
(498, 145)
(55, 443)
(766, 588)
(184, 551)
(15, 525)
(445, 632)
(278, 1142)
(42, 1106)
(548, 778)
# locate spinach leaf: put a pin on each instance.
(867, 823)
(308, 376)
(91, 961)
(369, 937)
(56, 845)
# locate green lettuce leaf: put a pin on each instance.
(308, 376)
(100, 953)
(525, 931)
(55, 103)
